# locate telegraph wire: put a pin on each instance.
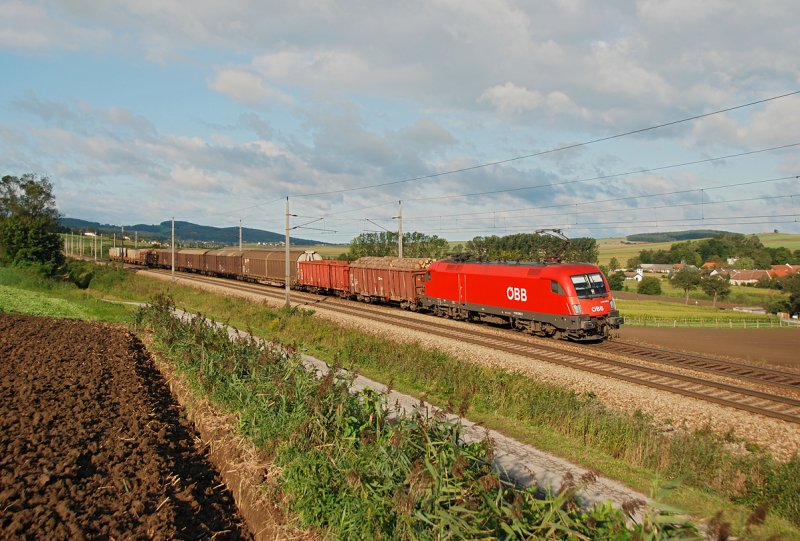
(604, 177)
(558, 149)
(550, 151)
(636, 209)
(592, 202)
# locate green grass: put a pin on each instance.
(624, 250)
(644, 308)
(330, 251)
(25, 292)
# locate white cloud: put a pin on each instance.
(28, 27)
(246, 88)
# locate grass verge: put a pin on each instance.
(355, 471)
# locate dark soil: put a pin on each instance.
(779, 347)
(92, 444)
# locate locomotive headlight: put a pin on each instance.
(577, 308)
(613, 305)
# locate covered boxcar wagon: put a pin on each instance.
(389, 279)
(191, 260)
(269, 266)
(226, 262)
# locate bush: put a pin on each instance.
(649, 285)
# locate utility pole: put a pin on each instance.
(400, 231)
(172, 245)
(122, 240)
(136, 239)
(288, 268)
(101, 246)
(240, 235)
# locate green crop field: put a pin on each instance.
(624, 250)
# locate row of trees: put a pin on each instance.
(520, 247)
(29, 223)
(717, 287)
(749, 250)
(384, 243)
(532, 247)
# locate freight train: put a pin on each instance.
(560, 300)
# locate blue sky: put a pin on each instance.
(214, 112)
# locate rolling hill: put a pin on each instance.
(186, 232)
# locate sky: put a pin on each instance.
(484, 117)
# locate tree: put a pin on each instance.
(650, 285)
(616, 280)
(687, 279)
(29, 222)
(716, 287)
(613, 264)
(384, 243)
(791, 284)
(532, 247)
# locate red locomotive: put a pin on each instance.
(560, 300)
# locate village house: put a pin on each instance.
(785, 270)
(750, 277)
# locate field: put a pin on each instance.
(92, 443)
(624, 250)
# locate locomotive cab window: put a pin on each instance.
(556, 288)
(589, 286)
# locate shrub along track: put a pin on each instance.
(92, 445)
(779, 403)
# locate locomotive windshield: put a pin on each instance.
(589, 286)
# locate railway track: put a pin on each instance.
(770, 404)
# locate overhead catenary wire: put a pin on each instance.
(552, 150)
(610, 200)
(518, 158)
(574, 181)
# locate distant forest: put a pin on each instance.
(675, 236)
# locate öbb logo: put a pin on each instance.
(517, 294)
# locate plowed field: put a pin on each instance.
(92, 444)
